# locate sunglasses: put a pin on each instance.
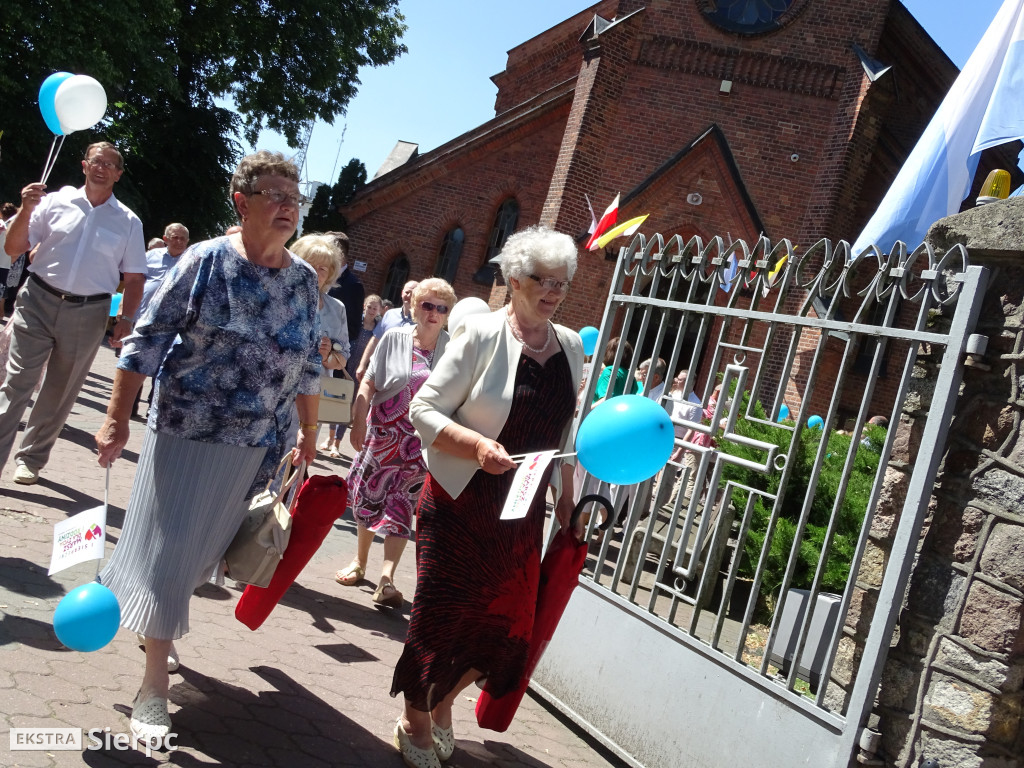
(441, 309)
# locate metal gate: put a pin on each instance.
(713, 624)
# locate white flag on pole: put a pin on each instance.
(78, 539)
(984, 108)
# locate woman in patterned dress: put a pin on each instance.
(506, 386)
(387, 474)
(232, 338)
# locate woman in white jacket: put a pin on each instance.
(506, 386)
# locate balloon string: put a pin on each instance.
(51, 159)
(520, 457)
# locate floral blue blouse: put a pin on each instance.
(231, 344)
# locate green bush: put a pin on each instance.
(851, 511)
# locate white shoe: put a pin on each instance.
(150, 722)
(25, 475)
(173, 660)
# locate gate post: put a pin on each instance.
(953, 683)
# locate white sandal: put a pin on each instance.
(173, 660)
(413, 756)
(444, 741)
(150, 722)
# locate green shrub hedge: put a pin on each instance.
(851, 511)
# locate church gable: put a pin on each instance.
(698, 191)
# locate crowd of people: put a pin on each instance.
(235, 334)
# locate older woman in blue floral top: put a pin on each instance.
(232, 338)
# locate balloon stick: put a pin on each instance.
(106, 500)
(520, 457)
(51, 159)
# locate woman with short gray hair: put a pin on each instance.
(506, 386)
(231, 337)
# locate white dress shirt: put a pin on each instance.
(158, 263)
(83, 248)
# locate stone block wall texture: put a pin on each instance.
(952, 689)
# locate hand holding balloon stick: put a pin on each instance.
(69, 103)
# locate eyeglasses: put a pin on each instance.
(441, 309)
(550, 284)
(102, 164)
(277, 197)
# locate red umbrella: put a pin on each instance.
(559, 575)
(321, 501)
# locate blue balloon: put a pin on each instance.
(115, 304)
(47, 92)
(589, 336)
(783, 412)
(816, 422)
(87, 617)
(625, 439)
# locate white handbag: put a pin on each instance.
(263, 536)
(336, 396)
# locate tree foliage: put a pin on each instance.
(323, 213)
(169, 67)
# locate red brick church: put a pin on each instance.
(716, 117)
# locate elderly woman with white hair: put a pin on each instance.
(506, 386)
(321, 253)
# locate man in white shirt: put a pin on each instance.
(657, 379)
(393, 318)
(160, 260)
(85, 238)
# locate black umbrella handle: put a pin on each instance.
(593, 498)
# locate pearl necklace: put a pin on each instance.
(518, 336)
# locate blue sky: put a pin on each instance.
(442, 87)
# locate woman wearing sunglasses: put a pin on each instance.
(506, 386)
(388, 472)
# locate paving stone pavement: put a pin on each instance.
(309, 688)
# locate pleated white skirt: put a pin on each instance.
(186, 505)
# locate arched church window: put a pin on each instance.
(505, 221)
(398, 276)
(451, 252)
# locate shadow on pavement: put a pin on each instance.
(30, 632)
(324, 608)
(26, 578)
(289, 726)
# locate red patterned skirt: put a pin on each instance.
(476, 575)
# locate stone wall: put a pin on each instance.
(953, 685)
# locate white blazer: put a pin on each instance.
(472, 386)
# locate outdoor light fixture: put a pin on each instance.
(996, 187)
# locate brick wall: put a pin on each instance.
(465, 192)
(802, 124)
